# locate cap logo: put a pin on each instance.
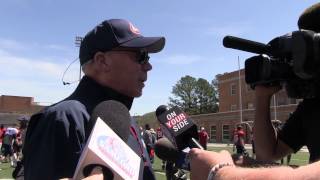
(133, 29)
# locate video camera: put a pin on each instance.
(292, 60)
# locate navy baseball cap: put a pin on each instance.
(117, 33)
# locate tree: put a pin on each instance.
(194, 96)
(206, 95)
(184, 95)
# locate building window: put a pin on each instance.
(281, 100)
(233, 89)
(213, 133)
(233, 107)
(225, 133)
(292, 101)
(250, 105)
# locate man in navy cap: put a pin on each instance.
(115, 60)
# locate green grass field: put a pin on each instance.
(300, 158)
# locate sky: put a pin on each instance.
(37, 40)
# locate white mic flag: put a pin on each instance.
(105, 147)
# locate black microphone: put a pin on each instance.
(161, 109)
(246, 45)
(116, 116)
(180, 126)
(167, 151)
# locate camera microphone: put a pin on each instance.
(246, 45)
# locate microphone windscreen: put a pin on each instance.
(161, 109)
(115, 115)
(309, 19)
(165, 150)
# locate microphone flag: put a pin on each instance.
(176, 120)
(105, 147)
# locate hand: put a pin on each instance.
(202, 161)
(266, 91)
(95, 176)
(97, 172)
(245, 161)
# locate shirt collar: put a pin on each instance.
(90, 93)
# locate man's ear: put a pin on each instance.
(102, 61)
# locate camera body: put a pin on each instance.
(292, 60)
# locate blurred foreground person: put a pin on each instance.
(303, 125)
(300, 129)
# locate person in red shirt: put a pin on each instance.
(240, 141)
(203, 138)
(2, 131)
(159, 133)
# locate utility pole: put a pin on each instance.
(275, 107)
(240, 94)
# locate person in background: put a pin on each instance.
(203, 138)
(234, 139)
(18, 145)
(8, 141)
(160, 135)
(2, 131)
(23, 124)
(141, 131)
(252, 144)
(149, 140)
(240, 141)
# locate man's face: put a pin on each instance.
(126, 74)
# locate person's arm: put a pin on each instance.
(267, 144)
(310, 171)
(203, 161)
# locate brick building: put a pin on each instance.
(220, 125)
(12, 107)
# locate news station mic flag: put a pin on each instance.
(181, 128)
(105, 147)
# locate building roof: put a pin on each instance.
(9, 118)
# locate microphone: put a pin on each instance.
(115, 115)
(106, 146)
(166, 151)
(180, 127)
(246, 45)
